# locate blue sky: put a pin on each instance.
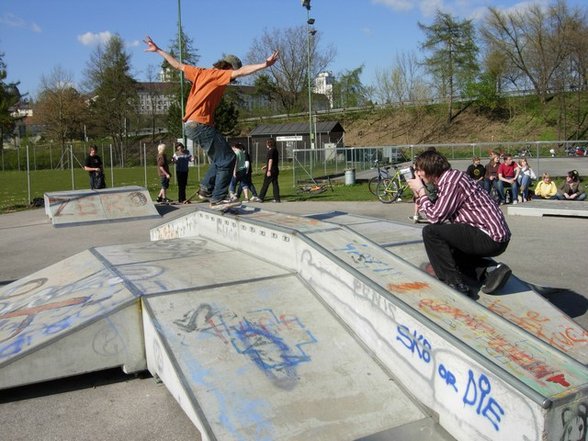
(38, 35)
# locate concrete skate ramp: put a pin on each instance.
(517, 303)
(538, 207)
(485, 377)
(83, 314)
(265, 360)
(77, 207)
(72, 317)
(245, 346)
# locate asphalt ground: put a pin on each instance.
(548, 252)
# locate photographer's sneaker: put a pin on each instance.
(496, 278)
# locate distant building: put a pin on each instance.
(154, 97)
(323, 85)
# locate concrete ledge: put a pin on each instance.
(67, 208)
(549, 208)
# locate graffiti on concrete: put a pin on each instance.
(574, 421)
(476, 389)
(275, 344)
(33, 310)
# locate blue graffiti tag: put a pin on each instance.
(363, 259)
(273, 343)
(489, 409)
(448, 376)
(414, 343)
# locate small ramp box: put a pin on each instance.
(76, 207)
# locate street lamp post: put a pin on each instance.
(309, 34)
(181, 49)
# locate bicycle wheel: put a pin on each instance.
(387, 191)
(373, 184)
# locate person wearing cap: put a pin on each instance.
(208, 86)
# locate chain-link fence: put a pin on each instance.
(316, 163)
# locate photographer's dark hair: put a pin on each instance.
(432, 163)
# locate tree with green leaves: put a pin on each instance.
(452, 60)
(183, 49)
(60, 108)
(536, 41)
(113, 89)
(9, 98)
(348, 90)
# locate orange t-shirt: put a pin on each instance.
(208, 86)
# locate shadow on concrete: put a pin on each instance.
(568, 301)
(78, 382)
(164, 209)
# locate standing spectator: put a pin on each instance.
(526, 176)
(572, 189)
(93, 165)
(466, 226)
(271, 171)
(508, 172)
(477, 171)
(208, 86)
(546, 188)
(491, 176)
(249, 178)
(182, 159)
(163, 173)
(240, 174)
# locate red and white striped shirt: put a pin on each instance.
(461, 201)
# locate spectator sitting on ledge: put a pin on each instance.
(572, 189)
(545, 188)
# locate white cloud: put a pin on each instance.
(397, 5)
(14, 21)
(134, 43)
(429, 7)
(90, 39)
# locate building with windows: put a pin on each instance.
(155, 98)
(323, 85)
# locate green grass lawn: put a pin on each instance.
(14, 186)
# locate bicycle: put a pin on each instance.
(383, 173)
(392, 188)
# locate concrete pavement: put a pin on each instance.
(539, 253)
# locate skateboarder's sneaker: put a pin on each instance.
(159, 199)
(224, 204)
(254, 199)
(203, 194)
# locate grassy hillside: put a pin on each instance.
(518, 119)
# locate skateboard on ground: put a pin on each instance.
(232, 207)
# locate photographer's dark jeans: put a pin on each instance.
(220, 170)
(458, 251)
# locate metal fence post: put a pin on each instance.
(145, 163)
(73, 185)
(111, 169)
(28, 176)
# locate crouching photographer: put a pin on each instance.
(466, 227)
